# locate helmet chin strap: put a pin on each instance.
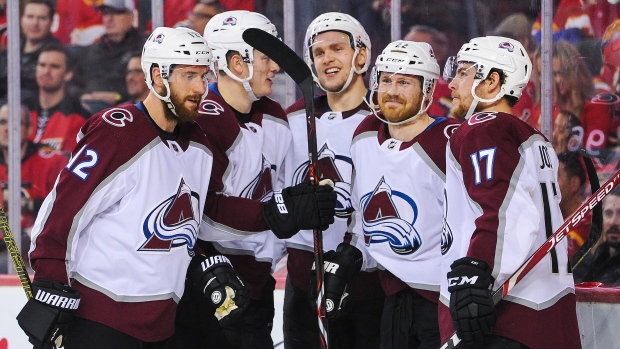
(166, 99)
(245, 81)
(477, 99)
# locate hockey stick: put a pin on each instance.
(297, 69)
(16, 257)
(597, 215)
(547, 246)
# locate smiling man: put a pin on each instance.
(337, 50)
(398, 195)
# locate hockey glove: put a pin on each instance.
(219, 282)
(299, 207)
(340, 267)
(49, 314)
(471, 302)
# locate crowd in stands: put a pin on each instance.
(78, 57)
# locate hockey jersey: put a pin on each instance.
(397, 196)
(58, 127)
(121, 223)
(255, 152)
(334, 131)
(502, 202)
(39, 170)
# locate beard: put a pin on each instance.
(184, 114)
(398, 115)
(614, 240)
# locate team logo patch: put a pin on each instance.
(117, 116)
(230, 21)
(174, 222)
(446, 233)
(329, 164)
(481, 117)
(506, 45)
(383, 219)
(605, 98)
(159, 38)
(209, 107)
(260, 189)
(216, 297)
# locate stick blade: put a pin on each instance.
(275, 49)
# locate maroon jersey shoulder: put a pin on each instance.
(266, 105)
(369, 124)
(218, 121)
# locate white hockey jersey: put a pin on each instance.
(255, 156)
(121, 222)
(334, 131)
(397, 195)
(502, 202)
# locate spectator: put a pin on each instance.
(56, 116)
(100, 72)
(39, 170)
(602, 263)
(572, 82)
(134, 78)
(567, 134)
(442, 99)
(572, 179)
(570, 23)
(610, 68)
(36, 24)
(201, 14)
(79, 23)
(3, 26)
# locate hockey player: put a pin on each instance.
(115, 237)
(253, 132)
(337, 49)
(502, 202)
(397, 195)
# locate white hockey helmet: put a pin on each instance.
(224, 33)
(342, 22)
(407, 58)
(169, 46)
(490, 52)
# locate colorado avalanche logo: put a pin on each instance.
(382, 222)
(174, 222)
(506, 45)
(209, 107)
(328, 164)
(446, 233)
(260, 188)
(159, 38)
(230, 21)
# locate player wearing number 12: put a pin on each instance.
(502, 202)
(113, 240)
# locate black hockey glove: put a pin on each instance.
(340, 267)
(299, 207)
(219, 282)
(471, 303)
(49, 314)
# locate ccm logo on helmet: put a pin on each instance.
(230, 21)
(507, 45)
(201, 52)
(398, 60)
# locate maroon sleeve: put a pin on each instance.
(298, 105)
(114, 146)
